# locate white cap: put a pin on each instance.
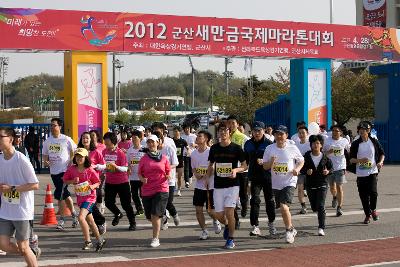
(140, 128)
(152, 137)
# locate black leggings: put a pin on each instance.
(124, 192)
(187, 171)
(136, 194)
(255, 201)
(170, 205)
(368, 192)
(317, 198)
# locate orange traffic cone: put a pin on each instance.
(63, 209)
(49, 214)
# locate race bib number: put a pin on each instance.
(365, 165)
(202, 170)
(337, 151)
(12, 197)
(281, 168)
(135, 161)
(178, 151)
(83, 189)
(224, 169)
(55, 148)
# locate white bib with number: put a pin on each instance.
(12, 197)
(281, 168)
(224, 169)
(83, 189)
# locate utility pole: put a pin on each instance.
(227, 74)
(118, 64)
(331, 12)
(113, 82)
(193, 72)
(210, 78)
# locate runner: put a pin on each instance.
(336, 147)
(368, 154)
(97, 161)
(97, 140)
(134, 154)
(160, 127)
(190, 139)
(85, 180)
(285, 161)
(317, 166)
(95, 136)
(303, 145)
(125, 142)
(17, 184)
(170, 153)
(181, 145)
(260, 179)
(204, 187)
(224, 159)
(295, 137)
(117, 181)
(268, 133)
(154, 172)
(57, 152)
(31, 143)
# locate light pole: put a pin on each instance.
(193, 71)
(210, 78)
(3, 71)
(227, 74)
(118, 65)
(331, 11)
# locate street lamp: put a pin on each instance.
(118, 64)
(211, 77)
(227, 74)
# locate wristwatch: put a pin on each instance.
(13, 189)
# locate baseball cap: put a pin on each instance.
(281, 129)
(17, 132)
(258, 125)
(364, 125)
(140, 128)
(152, 137)
(81, 151)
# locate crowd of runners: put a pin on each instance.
(146, 169)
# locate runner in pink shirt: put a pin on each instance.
(154, 172)
(125, 142)
(97, 140)
(117, 182)
(85, 181)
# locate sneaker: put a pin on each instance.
(140, 213)
(305, 193)
(321, 232)
(155, 242)
(187, 184)
(334, 203)
(100, 244)
(290, 235)
(303, 210)
(60, 224)
(132, 226)
(256, 231)
(179, 194)
(167, 214)
(237, 224)
(75, 222)
(37, 251)
(203, 235)
(230, 244)
(217, 227)
(2, 253)
(177, 220)
(116, 219)
(271, 228)
(102, 228)
(367, 219)
(226, 232)
(87, 245)
(375, 215)
(164, 226)
(339, 212)
(34, 242)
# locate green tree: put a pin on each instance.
(122, 118)
(149, 115)
(352, 95)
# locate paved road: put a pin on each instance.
(65, 247)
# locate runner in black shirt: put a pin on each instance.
(180, 144)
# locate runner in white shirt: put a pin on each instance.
(133, 155)
(57, 151)
(335, 148)
(204, 187)
(285, 161)
(303, 145)
(268, 133)
(190, 139)
(170, 153)
(295, 137)
(17, 183)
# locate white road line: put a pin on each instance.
(366, 240)
(67, 261)
(294, 217)
(377, 264)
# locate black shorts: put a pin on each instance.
(155, 205)
(200, 197)
(60, 189)
(285, 195)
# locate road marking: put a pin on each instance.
(366, 240)
(67, 261)
(377, 264)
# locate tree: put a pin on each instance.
(149, 115)
(352, 95)
(122, 117)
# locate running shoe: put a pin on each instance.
(2, 253)
(271, 228)
(164, 226)
(226, 232)
(140, 213)
(177, 220)
(179, 194)
(187, 184)
(367, 219)
(303, 210)
(102, 228)
(375, 215)
(321, 232)
(132, 226)
(100, 244)
(217, 227)
(339, 212)
(60, 224)
(155, 242)
(203, 235)
(75, 221)
(37, 252)
(87, 245)
(290, 235)
(256, 231)
(116, 219)
(230, 244)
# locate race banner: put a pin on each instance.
(374, 13)
(64, 30)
